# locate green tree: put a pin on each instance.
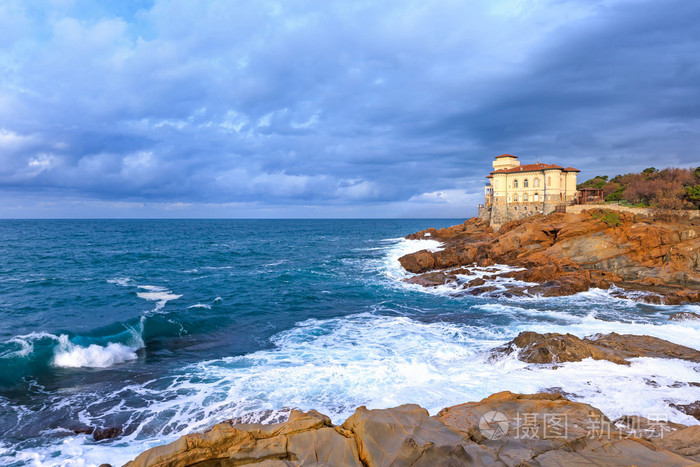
(692, 194)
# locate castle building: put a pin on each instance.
(515, 191)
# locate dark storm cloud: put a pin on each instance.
(340, 106)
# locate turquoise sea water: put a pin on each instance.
(163, 327)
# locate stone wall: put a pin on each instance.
(499, 214)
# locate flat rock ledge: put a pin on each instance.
(504, 429)
(532, 347)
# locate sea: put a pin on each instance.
(160, 328)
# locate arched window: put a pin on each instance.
(536, 198)
(524, 197)
(549, 181)
(525, 183)
(536, 183)
(515, 198)
(515, 184)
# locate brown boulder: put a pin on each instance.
(475, 282)
(418, 262)
(629, 346)
(555, 348)
(617, 348)
(307, 437)
(565, 284)
(408, 436)
(549, 430)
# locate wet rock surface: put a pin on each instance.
(569, 253)
(692, 409)
(504, 429)
(684, 316)
(106, 433)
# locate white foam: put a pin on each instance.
(26, 344)
(152, 288)
(121, 281)
(157, 294)
(69, 355)
(391, 267)
(200, 305)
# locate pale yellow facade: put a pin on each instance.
(512, 183)
(515, 191)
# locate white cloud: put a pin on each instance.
(11, 140)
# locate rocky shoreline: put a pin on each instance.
(504, 429)
(657, 261)
(560, 254)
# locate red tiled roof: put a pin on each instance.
(489, 176)
(571, 169)
(529, 168)
(505, 155)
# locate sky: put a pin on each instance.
(181, 108)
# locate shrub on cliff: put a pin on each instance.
(670, 188)
(611, 218)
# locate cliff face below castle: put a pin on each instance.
(563, 254)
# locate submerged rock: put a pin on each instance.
(692, 409)
(504, 429)
(684, 316)
(533, 347)
(106, 433)
(431, 279)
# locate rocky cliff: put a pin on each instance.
(563, 254)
